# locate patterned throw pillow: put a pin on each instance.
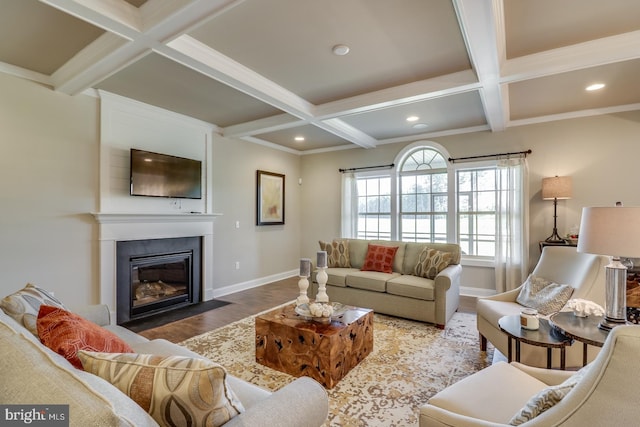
(23, 306)
(545, 399)
(174, 390)
(431, 262)
(66, 333)
(543, 295)
(379, 258)
(337, 253)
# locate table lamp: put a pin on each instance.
(615, 232)
(556, 188)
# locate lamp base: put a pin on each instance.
(607, 323)
(554, 238)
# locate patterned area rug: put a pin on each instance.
(411, 361)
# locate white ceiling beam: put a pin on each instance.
(126, 40)
(607, 50)
(478, 25)
(268, 124)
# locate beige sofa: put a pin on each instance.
(399, 293)
(33, 374)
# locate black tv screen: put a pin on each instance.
(162, 175)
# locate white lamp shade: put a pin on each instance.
(612, 231)
(556, 187)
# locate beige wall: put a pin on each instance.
(600, 153)
(48, 186)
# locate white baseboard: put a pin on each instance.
(243, 286)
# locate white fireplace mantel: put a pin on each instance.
(115, 227)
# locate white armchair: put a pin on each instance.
(606, 395)
(563, 265)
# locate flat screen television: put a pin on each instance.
(162, 175)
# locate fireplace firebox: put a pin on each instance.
(157, 275)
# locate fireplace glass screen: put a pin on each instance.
(159, 281)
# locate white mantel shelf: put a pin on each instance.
(114, 218)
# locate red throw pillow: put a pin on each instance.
(66, 333)
(379, 258)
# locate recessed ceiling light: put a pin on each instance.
(340, 49)
(595, 86)
(299, 138)
(420, 126)
(413, 118)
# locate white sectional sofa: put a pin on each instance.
(33, 374)
(401, 292)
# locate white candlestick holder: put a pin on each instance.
(303, 285)
(321, 278)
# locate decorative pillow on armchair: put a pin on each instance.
(174, 390)
(431, 262)
(337, 253)
(379, 258)
(543, 295)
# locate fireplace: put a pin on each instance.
(156, 275)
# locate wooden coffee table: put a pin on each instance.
(326, 352)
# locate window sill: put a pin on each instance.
(477, 262)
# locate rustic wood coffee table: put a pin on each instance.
(326, 352)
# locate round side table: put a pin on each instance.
(583, 329)
(544, 336)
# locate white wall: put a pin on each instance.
(600, 153)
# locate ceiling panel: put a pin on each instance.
(314, 138)
(39, 38)
(562, 93)
(457, 111)
(164, 83)
(290, 42)
(536, 26)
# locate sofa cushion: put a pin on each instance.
(379, 258)
(369, 280)
(412, 286)
(32, 373)
(338, 276)
(24, 305)
(66, 333)
(431, 262)
(337, 253)
(547, 398)
(174, 390)
(543, 295)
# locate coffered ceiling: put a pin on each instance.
(265, 71)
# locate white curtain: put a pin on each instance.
(349, 206)
(512, 233)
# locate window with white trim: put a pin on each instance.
(427, 199)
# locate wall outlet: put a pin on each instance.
(237, 224)
(237, 265)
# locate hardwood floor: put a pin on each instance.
(243, 304)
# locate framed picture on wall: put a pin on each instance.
(270, 198)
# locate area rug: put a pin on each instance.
(410, 362)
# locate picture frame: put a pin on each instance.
(270, 198)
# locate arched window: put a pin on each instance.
(423, 202)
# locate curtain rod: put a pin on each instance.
(452, 160)
(389, 166)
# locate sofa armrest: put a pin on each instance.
(448, 277)
(97, 313)
(302, 403)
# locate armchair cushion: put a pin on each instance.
(544, 295)
(547, 398)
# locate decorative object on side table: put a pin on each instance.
(303, 283)
(321, 277)
(584, 308)
(607, 231)
(556, 188)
